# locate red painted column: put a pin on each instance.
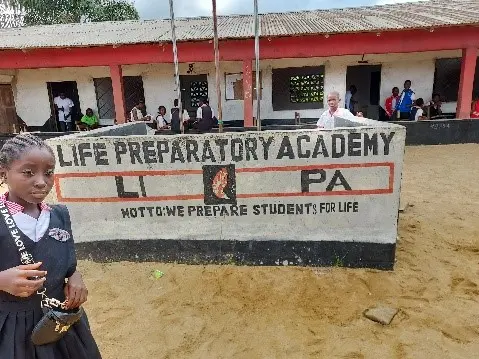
(116, 74)
(466, 83)
(248, 93)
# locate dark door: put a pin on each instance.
(70, 89)
(134, 92)
(193, 88)
(8, 115)
(374, 89)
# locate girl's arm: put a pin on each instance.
(75, 289)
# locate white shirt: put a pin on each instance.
(186, 116)
(139, 116)
(66, 104)
(161, 121)
(199, 113)
(419, 113)
(326, 120)
(33, 228)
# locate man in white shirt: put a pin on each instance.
(64, 109)
(326, 121)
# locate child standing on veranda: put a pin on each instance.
(27, 165)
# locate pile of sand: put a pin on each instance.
(285, 312)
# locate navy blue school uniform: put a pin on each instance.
(18, 316)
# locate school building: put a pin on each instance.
(304, 55)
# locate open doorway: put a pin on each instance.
(193, 88)
(367, 79)
(70, 89)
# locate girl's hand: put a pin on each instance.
(75, 291)
(15, 280)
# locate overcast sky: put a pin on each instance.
(159, 9)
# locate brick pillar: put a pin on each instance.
(466, 83)
(116, 74)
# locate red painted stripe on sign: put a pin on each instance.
(317, 194)
(129, 173)
(139, 199)
(313, 167)
(238, 170)
(388, 190)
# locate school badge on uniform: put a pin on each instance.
(59, 234)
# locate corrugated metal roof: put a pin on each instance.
(423, 14)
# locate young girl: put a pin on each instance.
(417, 112)
(161, 121)
(26, 166)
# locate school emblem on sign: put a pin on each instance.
(220, 184)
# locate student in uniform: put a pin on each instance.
(138, 113)
(175, 121)
(160, 119)
(45, 260)
(417, 111)
(204, 116)
(434, 106)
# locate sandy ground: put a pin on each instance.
(285, 312)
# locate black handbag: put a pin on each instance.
(54, 323)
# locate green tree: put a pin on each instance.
(48, 12)
(114, 10)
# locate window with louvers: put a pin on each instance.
(297, 88)
(198, 90)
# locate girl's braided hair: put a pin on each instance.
(16, 146)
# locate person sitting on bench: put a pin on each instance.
(89, 120)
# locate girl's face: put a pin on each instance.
(30, 178)
(162, 111)
(89, 113)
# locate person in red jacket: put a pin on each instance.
(475, 107)
(391, 101)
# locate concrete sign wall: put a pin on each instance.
(250, 191)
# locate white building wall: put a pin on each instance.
(421, 75)
(159, 84)
(31, 93)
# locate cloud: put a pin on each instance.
(385, 2)
(159, 9)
